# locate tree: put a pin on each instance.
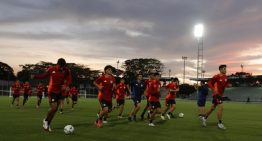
(6, 72)
(142, 65)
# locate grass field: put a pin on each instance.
(243, 122)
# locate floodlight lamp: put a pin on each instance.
(199, 30)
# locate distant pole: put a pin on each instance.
(169, 72)
(242, 68)
(117, 64)
(184, 73)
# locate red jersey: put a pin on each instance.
(219, 82)
(74, 91)
(153, 90)
(121, 91)
(147, 83)
(108, 83)
(40, 89)
(171, 93)
(16, 89)
(27, 89)
(58, 78)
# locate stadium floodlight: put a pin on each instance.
(199, 30)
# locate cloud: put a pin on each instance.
(100, 32)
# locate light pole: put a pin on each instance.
(117, 64)
(198, 33)
(184, 58)
(169, 72)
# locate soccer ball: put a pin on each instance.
(69, 129)
(181, 115)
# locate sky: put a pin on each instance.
(100, 32)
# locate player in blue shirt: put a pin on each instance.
(136, 89)
(201, 101)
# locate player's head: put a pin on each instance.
(223, 69)
(157, 76)
(123, 80)
(202, 83)
(176, 80)
(108, 69)
(61, 62)
(151, 74)
(139, 76)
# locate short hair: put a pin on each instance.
(222, 66)
(107, 67)
(61, 62)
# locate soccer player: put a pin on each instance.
(65, 94)
(153, 90)
(106, 86)
(121, 90)
(27, 91)
(16, 88)
(60, 79)
(202, 92)
(172, 89)
(136, 89)
(74, 96)
(40, 91)
(150, 80)
(218, 84)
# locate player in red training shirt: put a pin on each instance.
(39, 93)
(65, 95)
(60, 79)
(121, 89)
(74, 96)
(151, 78)
(27, 91)
(172, 89)
(153, 90)
(218, 84)
(16, 89)
(105, 85)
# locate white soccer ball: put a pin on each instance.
(69, 129)
(181, 115)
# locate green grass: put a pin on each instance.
(243, 122)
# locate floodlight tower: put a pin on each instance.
(198, 33)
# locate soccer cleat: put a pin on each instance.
(129, 118)
(105, 121)
(204, 124)
(168, 116)
(151, 124)
(45, 125)
(49, 129)
(162, 117)
(99, 123)
(221, 126)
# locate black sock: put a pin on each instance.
(219, 121)
(150, 121)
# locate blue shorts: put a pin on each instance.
(201, 102)
(136, 101)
